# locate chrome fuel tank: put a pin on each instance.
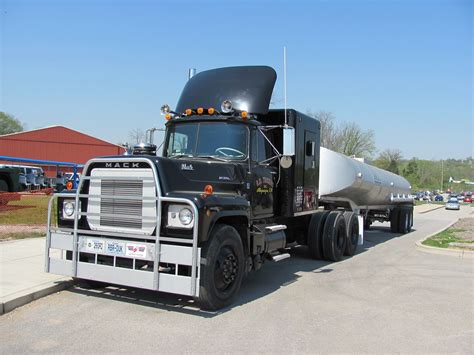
(346, 179)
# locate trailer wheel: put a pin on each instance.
(315, 234)
(404, 221)
(352, 229)
(394, 220)
(222, 273)
(334, 236)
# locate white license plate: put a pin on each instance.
(95, 245)
(136, 250)
(115, 248)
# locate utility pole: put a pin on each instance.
(442, 175)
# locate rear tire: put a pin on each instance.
(394, 220)
(223, 271)
(352, 229)
(334, 236)
(315, 235)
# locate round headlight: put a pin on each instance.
(226, 106)
(185, 216)
(68, 208)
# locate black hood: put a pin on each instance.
(191, 176)
(248, 88)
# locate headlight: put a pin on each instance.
(68, 209)
(185, 216)
(180, 216)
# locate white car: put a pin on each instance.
(453, 204)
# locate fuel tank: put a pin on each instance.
(344, 178)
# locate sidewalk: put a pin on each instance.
(427, 207)
(22, 278)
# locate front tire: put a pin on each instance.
(223, 270)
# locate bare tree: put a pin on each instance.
(136, 135)
(347, 138)
(353, 141)
(389, 160)
(328, 128)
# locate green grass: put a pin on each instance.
(442, 239)
(35, 211)
(21, 235)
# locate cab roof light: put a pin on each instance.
(211, 111)
(69, 185)
(200, 111)
(188, 112)
(168, 116)
(244, 114)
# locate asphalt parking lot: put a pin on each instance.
(390, 297)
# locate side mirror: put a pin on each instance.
(288, 147)
(288, 141)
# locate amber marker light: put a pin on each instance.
(168, 116)
(200, 110)
(211, 111)
(188, 112)
(69, 185)
(208, 190)
(244, 114)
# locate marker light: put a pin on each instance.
(208, 190)
(188, 112)
(168, 117)
(69, 185)
(226, 106)
(211, 111)
(244, 114)
(200, 110)
(165, 109)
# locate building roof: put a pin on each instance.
(38, 130)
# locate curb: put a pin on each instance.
(433, 209)
(461, 253)
(15, 300)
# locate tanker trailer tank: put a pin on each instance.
(344, 179)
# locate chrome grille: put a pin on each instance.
(122, 210)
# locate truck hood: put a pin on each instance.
(191, 176)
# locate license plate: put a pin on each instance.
(95, 245)
(136, 250)
(115, 248)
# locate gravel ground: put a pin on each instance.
(467, 226)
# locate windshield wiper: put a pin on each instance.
(182, 156)
(213, 157)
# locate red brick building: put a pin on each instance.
(56, 143)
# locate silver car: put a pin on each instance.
(453, 204)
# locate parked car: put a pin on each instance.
(460, 198)
(468, 199)
(439, 198)
(453, 204)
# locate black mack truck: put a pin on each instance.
(237, 185)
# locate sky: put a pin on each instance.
(401, 68)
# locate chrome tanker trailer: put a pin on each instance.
(237, 184)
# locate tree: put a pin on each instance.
(353, 141)
(136, 135)
(389, 160)
(9, 124)
(347, 138)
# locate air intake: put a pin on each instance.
(144, 149)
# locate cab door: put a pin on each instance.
(262, 177)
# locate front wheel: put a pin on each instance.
(223, 270)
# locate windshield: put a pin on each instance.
(453, 200)
(208, 139)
